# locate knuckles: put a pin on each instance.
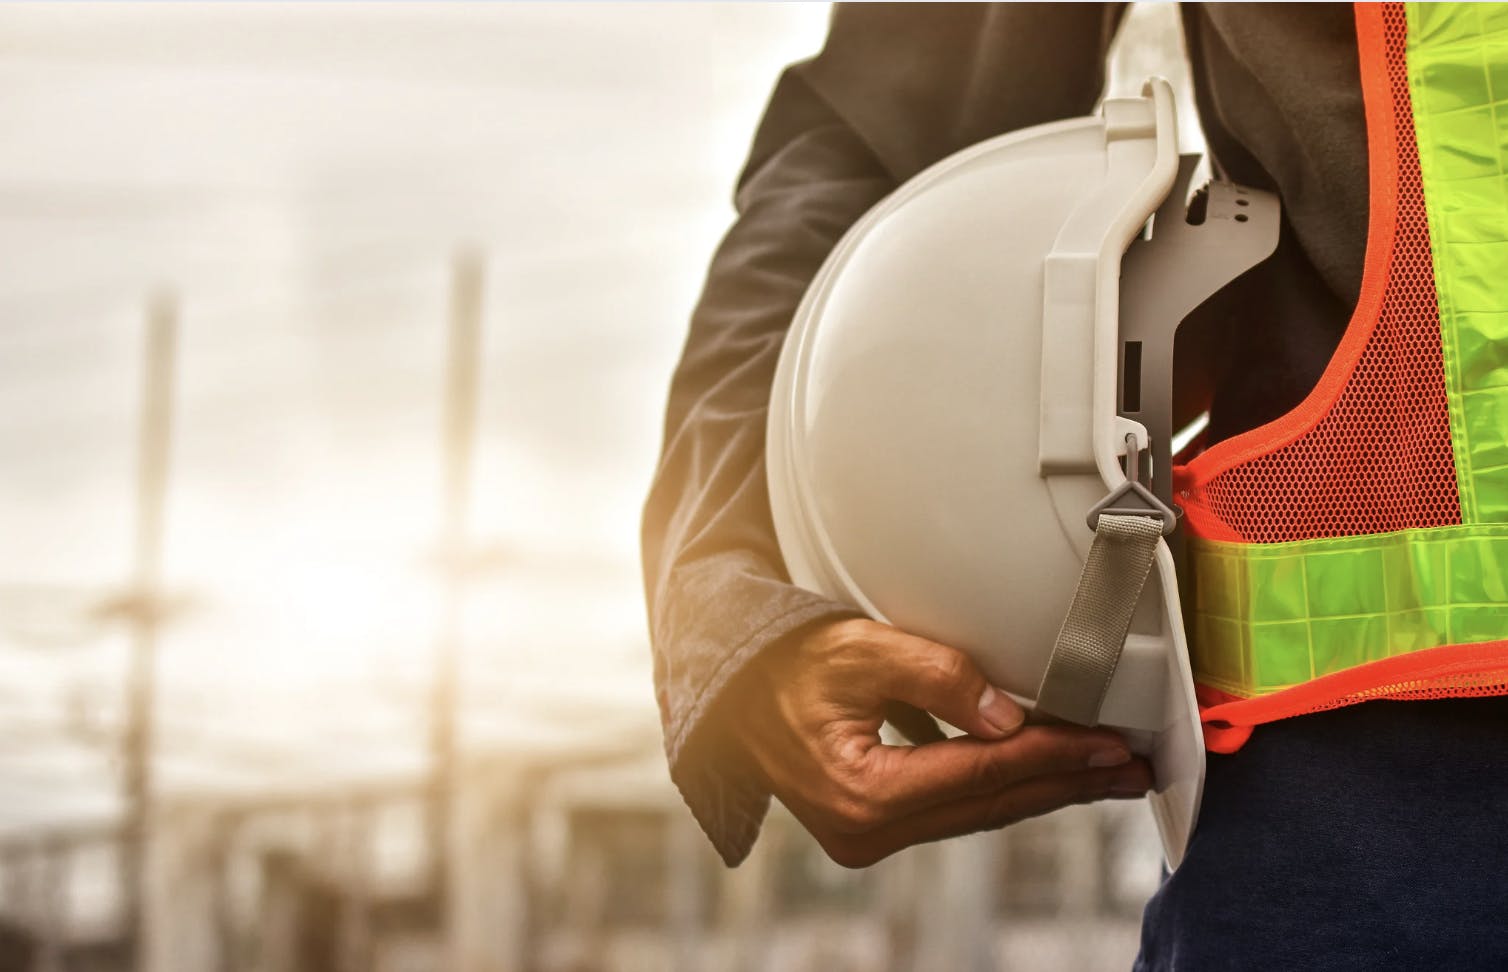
(854, 647)
(946, 669)
(844, 638)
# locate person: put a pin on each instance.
(1365, 836)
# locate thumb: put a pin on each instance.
(946, 683)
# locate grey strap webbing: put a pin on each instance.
(1094, 632)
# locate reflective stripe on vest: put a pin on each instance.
(1357, 547)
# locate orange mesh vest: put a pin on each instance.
(1357, 547)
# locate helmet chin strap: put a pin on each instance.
(1089, 644)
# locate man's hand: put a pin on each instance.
(809, 715)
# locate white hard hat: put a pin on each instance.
(957, 395)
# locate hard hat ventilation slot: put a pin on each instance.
(1199, 206)
(1131, 377)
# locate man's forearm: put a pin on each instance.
(717, 589)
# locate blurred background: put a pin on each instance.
(335, 341)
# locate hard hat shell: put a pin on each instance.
(944, 414)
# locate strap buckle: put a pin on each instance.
(1131, 498)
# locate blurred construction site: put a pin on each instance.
(335, 340)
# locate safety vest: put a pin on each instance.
(1357, 547)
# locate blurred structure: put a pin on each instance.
(591, 866)
(373, 691)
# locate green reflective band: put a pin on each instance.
(1458, 81)
(1266, 617)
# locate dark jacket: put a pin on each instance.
(895, 88)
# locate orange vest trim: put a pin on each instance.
(1350, 503)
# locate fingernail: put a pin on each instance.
(1000, 711)
(1113, 756)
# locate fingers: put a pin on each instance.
(1030, 798)
(817, 743)
(905, 779)
(938, 679)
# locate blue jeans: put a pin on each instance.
(1371, 837)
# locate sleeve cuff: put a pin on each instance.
(716, 779)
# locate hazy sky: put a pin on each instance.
(300, 175)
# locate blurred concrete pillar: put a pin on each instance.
(901, 879)
(298, 917)
(50, 905)
(489, 877)
(350, 852)
(181, 880)
(145, 607)
(687, 890)
(1080, 850)
(463, 370)
(745, 913)
(957, 905)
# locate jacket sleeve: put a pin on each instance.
(895, 88)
